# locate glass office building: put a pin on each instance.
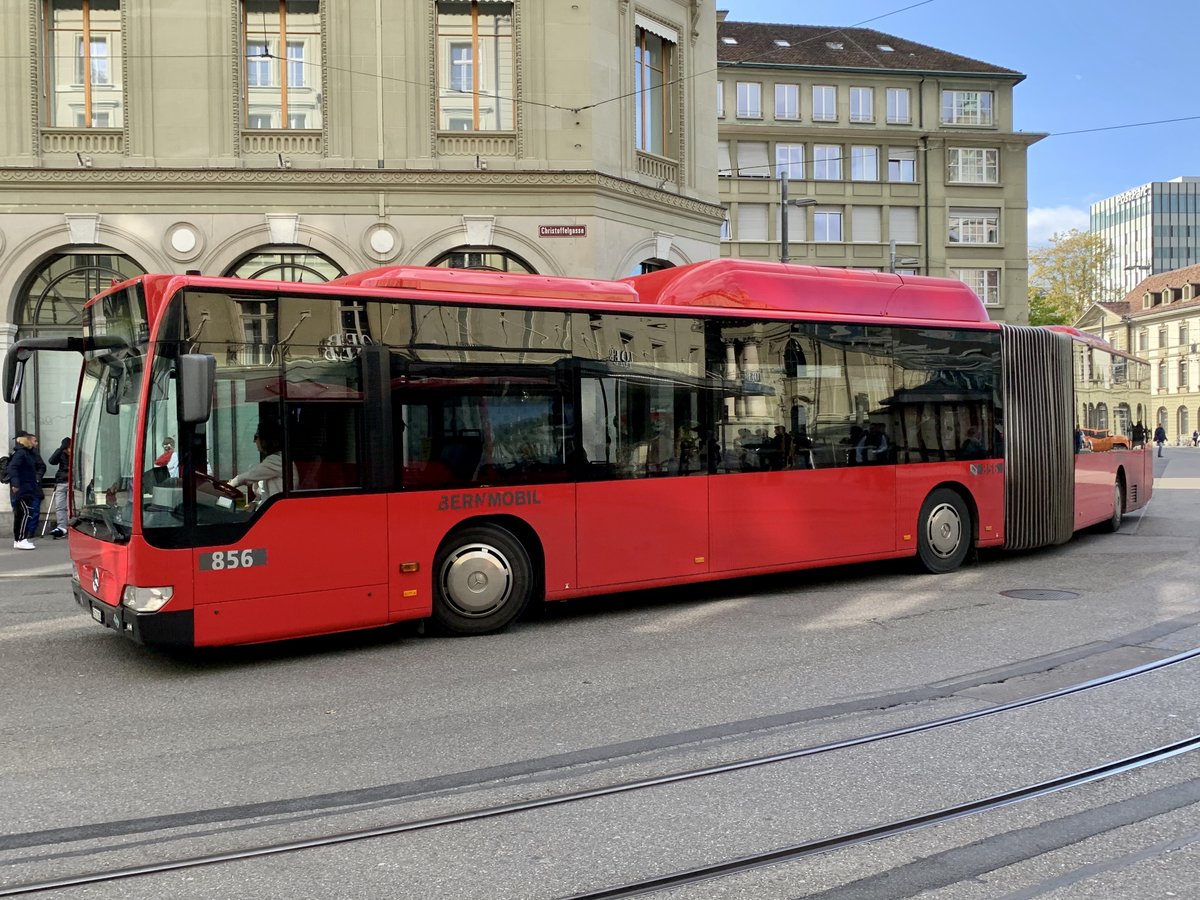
(1153, 228)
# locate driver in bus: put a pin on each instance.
(267, 475)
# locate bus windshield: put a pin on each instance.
(106, 424)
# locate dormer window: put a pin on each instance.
(1189, 291)
(1147, 300)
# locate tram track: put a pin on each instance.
(796, 852)
(43, 838)
(608, 755)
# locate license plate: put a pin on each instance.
(97, 615)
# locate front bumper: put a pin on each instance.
(159, 629)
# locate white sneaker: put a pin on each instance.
(23, 545)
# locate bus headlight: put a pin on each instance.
(146, 599)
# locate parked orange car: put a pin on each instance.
(1098, 440)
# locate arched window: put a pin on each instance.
(286, 264)
(1102, 415)
(1161, 417)
(51, 302)
(1184, 428)
(54, 295)
(647, 266)
(793, 359)
(493, 259)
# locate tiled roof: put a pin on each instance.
(808, 45)
(1156, 284)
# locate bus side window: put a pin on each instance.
(324, 444)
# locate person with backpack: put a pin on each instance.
(23, 486)
(61, 458)
(1160, 438)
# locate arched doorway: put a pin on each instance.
(49, 303)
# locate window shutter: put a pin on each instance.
(797, 223)
(752, 222)
(864, 224)
(902, 224)
(752, 160)
(724, 166)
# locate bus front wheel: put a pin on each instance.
(483, 580)
(1114, 522)
(943, 531)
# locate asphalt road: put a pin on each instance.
(112, 755)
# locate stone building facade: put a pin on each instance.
(1159, 321)
(305, 139)
(895, 156)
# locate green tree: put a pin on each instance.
(1069, 274)
(1043, 312)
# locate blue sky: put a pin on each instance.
(1088, 64)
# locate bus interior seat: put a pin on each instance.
(317, 474)
(461, 455)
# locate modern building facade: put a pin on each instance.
(304, 139)
(1159, 321)
(901, 156)
(1152, 229)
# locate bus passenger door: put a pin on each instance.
(642, 498)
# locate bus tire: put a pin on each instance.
(482, 580)
(1114, 521)
(944, 531)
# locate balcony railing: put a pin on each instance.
(83, 140)
(658, 168)
(298, 143)
(475, 144)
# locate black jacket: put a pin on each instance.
(22, 474)
(39, 466)
(61, 458)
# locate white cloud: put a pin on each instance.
(1044, 223)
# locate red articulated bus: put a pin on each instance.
(411, 443)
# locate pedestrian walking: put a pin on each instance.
(1160, 438)
(61, 458)
(23, 484)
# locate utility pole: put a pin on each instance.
(784, 203)
(783, 216)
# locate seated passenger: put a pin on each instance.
(169, 458)
(873, 446)
(972, 447)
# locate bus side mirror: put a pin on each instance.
(14, 372)
(113, 387)
(197, 378)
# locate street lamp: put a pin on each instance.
(784, 203)
(1139, 268)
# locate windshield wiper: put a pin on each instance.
(117, 532)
